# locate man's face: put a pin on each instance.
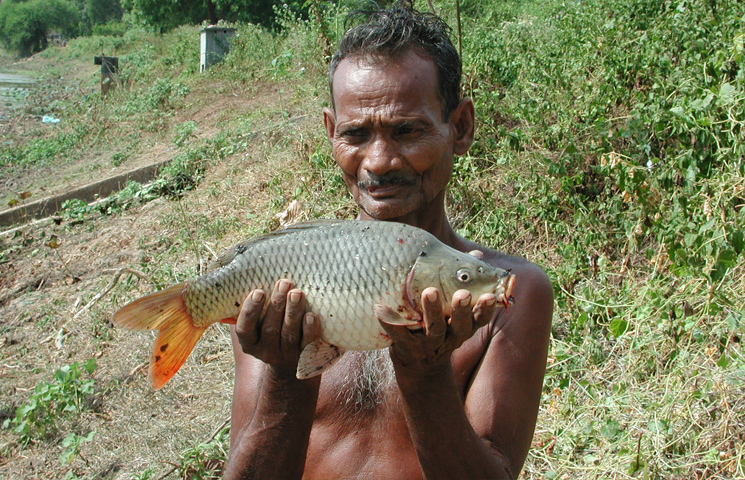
(388, 135)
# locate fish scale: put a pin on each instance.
(352, 274)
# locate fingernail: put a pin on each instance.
(432, 296)
(257, 296)
(466, 301)
(310, 319)
(490, 301)
(283, 287)
(294, 297)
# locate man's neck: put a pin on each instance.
(432, 219)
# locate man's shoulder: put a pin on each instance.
(505, 261)
(517, 265)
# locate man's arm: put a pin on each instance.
(487, 434)
(272, 411)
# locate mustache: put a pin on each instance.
(389, 180)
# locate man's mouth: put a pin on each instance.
(383, 186)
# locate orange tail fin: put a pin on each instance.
(164, 311)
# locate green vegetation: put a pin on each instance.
(52, 401)
(609, 150)
(26, 25)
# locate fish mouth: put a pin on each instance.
(508, 283)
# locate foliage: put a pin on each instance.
(25, 25)
(610, 145)
(52, 401)
(205, 460)
(165, 16)
(72, 444)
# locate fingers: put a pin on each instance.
(477, 253)
(246, 327)
(465, 319)
(461, 320)
(434, 321)
(276, 327)
(271, 324)
(485, 309)
(292, 323)
(311, 330)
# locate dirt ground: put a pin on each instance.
(51, 271)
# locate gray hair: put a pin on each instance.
(388, 34)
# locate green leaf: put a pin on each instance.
(618, 327)
(723, 361)
(727, 257)
(727, 93)
(610, 430)
(90, 365)
(737, 241)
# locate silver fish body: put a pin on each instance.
(348, 270)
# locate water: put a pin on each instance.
(14, 90)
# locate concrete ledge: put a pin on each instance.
(87, 193)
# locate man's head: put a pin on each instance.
(391, 131)
(388, 34)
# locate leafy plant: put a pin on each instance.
(71, 446)
(184, 132)
(52, 401)
(204, 461)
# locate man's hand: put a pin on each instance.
(279, 335)
(428, 350)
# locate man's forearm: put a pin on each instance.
(274, 442)
(446, 444)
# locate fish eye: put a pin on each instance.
(463, 275)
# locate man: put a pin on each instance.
(453, 400)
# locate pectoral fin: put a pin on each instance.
(387, 315)
(317, 357)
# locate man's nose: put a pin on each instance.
(381, 156)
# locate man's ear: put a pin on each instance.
(462, 119)
(329, 121)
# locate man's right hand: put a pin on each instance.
(279, 335)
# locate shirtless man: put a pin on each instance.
(458, 399)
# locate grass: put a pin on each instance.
(617, 169)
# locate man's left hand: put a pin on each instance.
(428, 350)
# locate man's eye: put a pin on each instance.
(353, 133)
(405, 130)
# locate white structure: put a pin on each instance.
(215, 44)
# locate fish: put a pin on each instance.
(352, 272)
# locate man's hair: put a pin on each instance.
(388, 34)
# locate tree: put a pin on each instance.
(25, 25)
(168, 14)
(98, 12)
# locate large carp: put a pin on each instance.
(349, 271)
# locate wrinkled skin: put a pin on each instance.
(467, 387)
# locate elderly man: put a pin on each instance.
(457, 399)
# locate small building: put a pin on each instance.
(215, 43)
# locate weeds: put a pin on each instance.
(205, 461)
(52, 401)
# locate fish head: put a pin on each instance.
(450, 270)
